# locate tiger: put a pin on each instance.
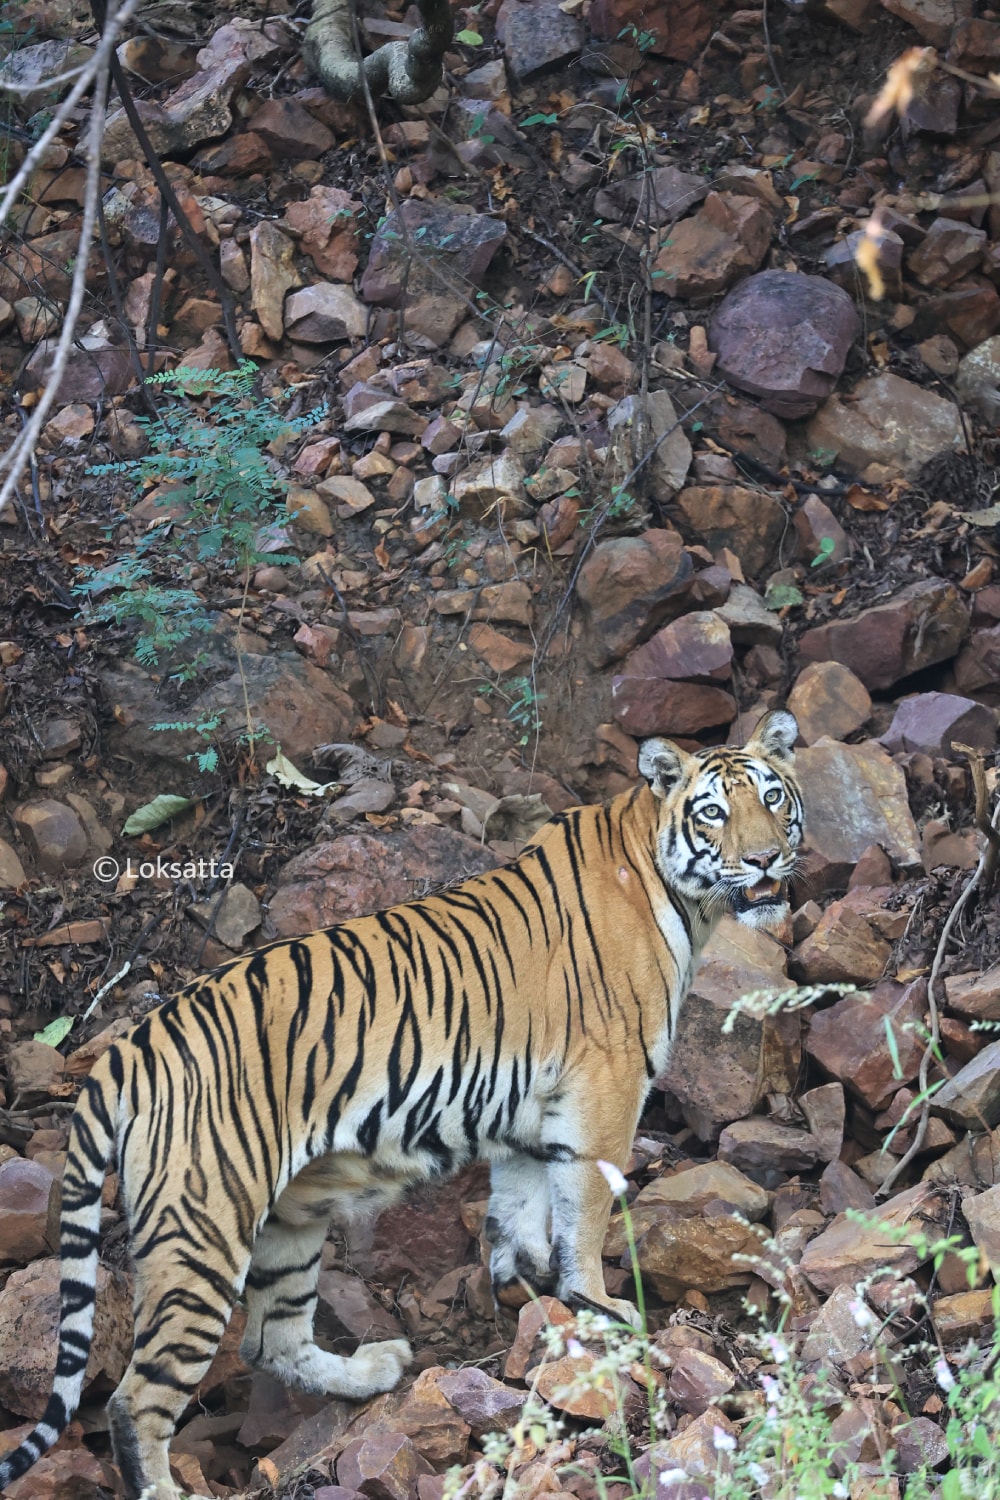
(519, 1018)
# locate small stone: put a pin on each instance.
(697, 1380)
(498, 651)
(384, 1466)
(841, 1189)
(54, 834)
(749, 522)
(843, 948)
(842, 266)
(829, 701)
(702, 255)
(750, 621)
(272, 275)
(849, 1251)
(327, 312)
(976, 996)
(856, 796)
(306, 508)
(825, 1113)
(486, 1404)
(528, 1350)
(680, 1252)
(386, 416)
(932, 19)
(347, 492)
(820, 534)
(493, 487)
(649, 696)
(784, 337)
(755, 1143)
(25, 1189)
(964, 1316)
(920, 1445)
(290, 130)
(706, 1182)
(978, 381)
(834, 1335)
(536, 34)
(628, 587)
(949, 249)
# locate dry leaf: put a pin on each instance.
(897, 91)
(862, 499)
(382, 555)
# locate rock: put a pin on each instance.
(975, 46)
(327, 224)
(718, 1076)
(969, 311)
(12, 876)
(529, 430)
(933, 19)
(932, 723)
(784, 337)
(977, 667)
(199, 110)
(528, 1349)
(430, 1422)
(975, 996)
(704, 254)
(628, 587)
(888, 427)
(347, 492)
(848, 1251)
(850, 1041)
(386, 416)
(697, 1380)
(825, 1112)
(575, 1385)
(756, 1144)
(369, 795)
(272, 275)
(536, 34)
(750, 621)
(840, 1189)
(829, 702)
(25, 1188)
(923, 624)
(54, 834)
(842, 266)
(498, 651)
(680, 1253)
(972, 1097)
(834, 1335)
(364, 872)
(703, 1183)
(821, 536)
(385, 1466)
(68, 1472)
(34, 1068)
(856, 797)
(948, 251)
(486, 1404)
(649, 696)
(25, 72)
(233, 919)
(290, 130)
(94, 371)
(667, 469)
(677, 30)
(495, 486)
(325, 313)
(964, 1316)
(422, 239)
(843, 948)
(978, 381)
(750, 523)
(29, 1322)
(920, 1445)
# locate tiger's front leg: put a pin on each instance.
(517, 1224)
(581, 1208)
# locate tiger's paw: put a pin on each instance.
(618, 1308)
(379, 1367)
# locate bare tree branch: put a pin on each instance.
(408, 72)
(93, 75)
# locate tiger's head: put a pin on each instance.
(731, 821)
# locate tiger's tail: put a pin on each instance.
(91, 1149)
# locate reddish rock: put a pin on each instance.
(679, 28)
(652, 198)
(486, 1404)
(694, 1185)
(931, 19)
(536, 34)
(856, 796)
(887, 427)
(290, 130)
(784, 337)
(850, 1251)
(648, 696)
(528, 1348)
(842, 261)
(757, 1144)
(328, 225)
(949, 250)
(850, 1041)
(841, 1189)
(843, 948)
(969, 310)
(825, 1112)
(704, 254)
(821, 536)
(680, 1253)
(923, 624)
(628, 587)
(741, 427)
(829, 701)
(974, 995)
(53, 833)
(91, 374)
(698, 1380)
(29, 1322)
(982, 1214)
(25, 1188)
(749, 522)
(975, 46)
(385, 1466)
(977, 669)
(272, 275)
(933, 723)
(235, 156)
(459, 245)
(972, 1097)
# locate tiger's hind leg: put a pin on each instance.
(281, 1305)
(517, 1224)
(183, 1300)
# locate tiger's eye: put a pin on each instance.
(712, 810)
(773, 797)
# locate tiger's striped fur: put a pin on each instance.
(519, 1017)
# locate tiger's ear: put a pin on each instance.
(663, 765)
(775, 735)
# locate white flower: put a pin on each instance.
(778, 1350)
(723, 1441)
(758, 1473)
(943, 1375)
(673, 1476)
(861, 1313)
(575, 1349)
(840, 1491)
(614, 1179)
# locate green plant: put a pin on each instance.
(827, 547)
(222, 487)
(523, 707)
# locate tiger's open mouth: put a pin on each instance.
(766, 892)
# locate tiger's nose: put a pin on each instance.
(762, 859)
